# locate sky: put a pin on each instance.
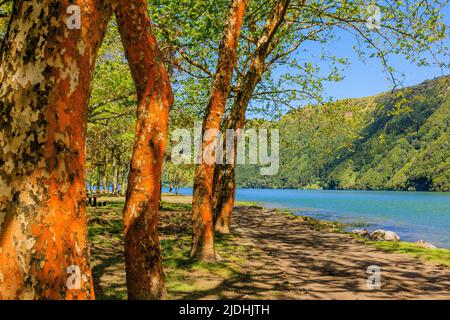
(367, 79)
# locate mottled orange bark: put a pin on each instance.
(224, 186)
(202, 213)
(45, 75)
(144, 271)
(224, 194)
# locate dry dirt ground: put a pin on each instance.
(269, 255)
(301, 262)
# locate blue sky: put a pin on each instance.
(366, 79)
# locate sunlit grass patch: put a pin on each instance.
(105, 223)
(440, 256)
(185, 277)
(169, 206)
(248, 204)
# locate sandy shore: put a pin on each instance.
(271, 255)
(307, 263)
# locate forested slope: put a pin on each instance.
(396, 141)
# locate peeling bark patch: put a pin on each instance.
(202, 211)
(45, 77)
(145, 276)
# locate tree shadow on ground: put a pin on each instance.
(274, 256)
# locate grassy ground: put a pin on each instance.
(255, 261)
(185, 279)
(441, 256)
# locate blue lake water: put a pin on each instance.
(413, 215)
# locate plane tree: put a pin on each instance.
(284, 48)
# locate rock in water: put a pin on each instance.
(361, 232)
(382, 235)
(425, 244)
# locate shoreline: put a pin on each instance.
(397, 220)
(406, 247)
(341, 190)
(324, 257)
(340, 226)
(413, 216)
(270, 254)
(349, 190)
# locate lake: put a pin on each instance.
(412, 215)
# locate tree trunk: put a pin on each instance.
(224, 185)
(123, 187)
(115, 179)
(224, 180)
(202, 213)
(45, 74)
(99, 183)
(224, 196)
(160, 195)
(104, 184)
(144, 271)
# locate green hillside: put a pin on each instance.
(394, 141)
